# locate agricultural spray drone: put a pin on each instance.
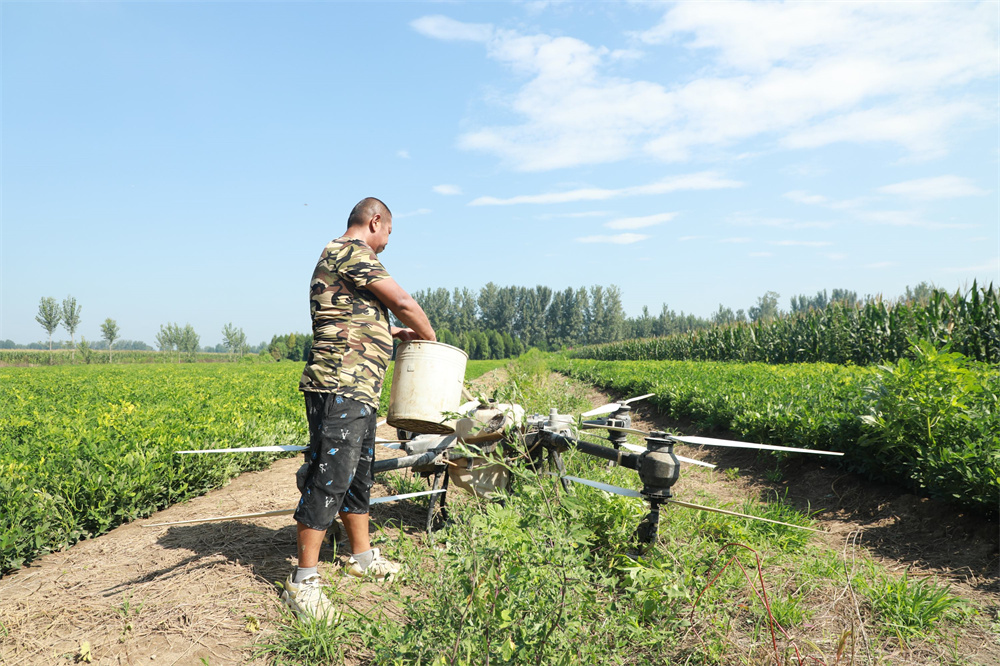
(486, 438)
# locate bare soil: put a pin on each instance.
(208, 593)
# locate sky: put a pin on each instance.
(187, 161)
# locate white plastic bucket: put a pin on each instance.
(427, 381)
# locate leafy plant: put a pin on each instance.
(932, 422)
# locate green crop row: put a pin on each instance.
(931, 423)
(873, 332)
(86, 448)
(29, 357)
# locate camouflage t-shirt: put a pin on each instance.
(351, 340)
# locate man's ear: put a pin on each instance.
(374, 222)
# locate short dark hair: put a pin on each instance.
(365, 210)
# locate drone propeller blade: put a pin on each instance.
(711, 441)
(393, 445)
(604, 486)
(393, 498)
(285, 512)
(615, 428)
(603, 409)
(691, 461)
(638, 397)
(612, 407)
(250, 449)
(699, 507)
(465, 407)
(220, 519)
(695, 461)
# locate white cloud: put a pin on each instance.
(619, 239)
(799, 196)
(735, 240)
(403, 154)
(921, 130)
(756, 36)
(587, 213)
(683, 239)
(906, 218)
(705, 180)
(798, 243)
(448, 29)
(745, 220)
(640, 222)
(447, 190)
(941, 187)
(798, 75)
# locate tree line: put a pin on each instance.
(52, 313)
(171, 337)
(515, 318)
(492, 323)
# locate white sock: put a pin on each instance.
(364, 559)
(301, 574)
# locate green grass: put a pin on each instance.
(910, 607)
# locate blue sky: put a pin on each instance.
(186, 162)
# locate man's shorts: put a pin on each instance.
(340, 455)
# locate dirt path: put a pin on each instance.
(196, 594)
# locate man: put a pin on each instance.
(350, 294)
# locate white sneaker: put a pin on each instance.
(379, 569)
(307, 599)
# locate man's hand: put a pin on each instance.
(405, 334)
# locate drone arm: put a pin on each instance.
(415, 460)
(564, 442)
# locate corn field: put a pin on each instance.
(876, 331)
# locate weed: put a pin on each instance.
(127, 608)
(306, 641)
(402, 482)
(910, 608)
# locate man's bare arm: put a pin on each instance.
(406, 309)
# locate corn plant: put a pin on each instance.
(876, 331)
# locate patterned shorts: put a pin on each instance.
(338, 476)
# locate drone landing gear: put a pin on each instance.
(440, 480)
(649, 527)
(556, 461)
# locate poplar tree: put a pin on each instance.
(109, 331)
(71, 320)
(235, 338)
(49, 315)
